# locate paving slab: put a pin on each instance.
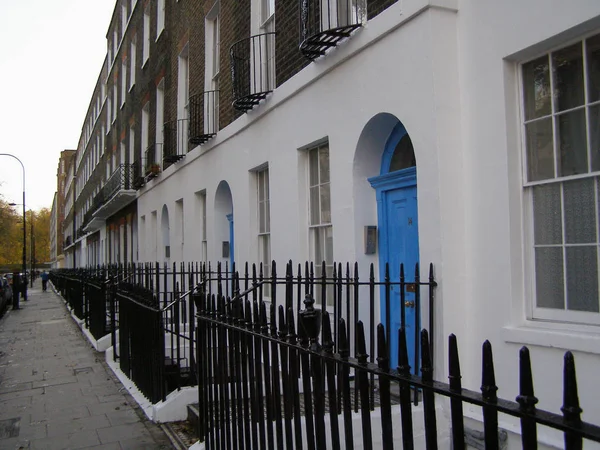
(57, 392)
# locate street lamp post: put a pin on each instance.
(24, 224)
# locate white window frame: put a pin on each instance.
(123, 82)
(183, 100)
(263, 200)
(131, 144)
(267, 45)
(212, 61)
(132, 58)
(124, 18)
(146, 34)
(115, 102)
(534, 312)
(160, 120)
(145, 132)
(320, 228)
(160, 17)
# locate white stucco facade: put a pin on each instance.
(449, 72)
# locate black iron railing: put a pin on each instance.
(252, 356)
(251, 353)
(152, 164)
(121, 179)
(324, 23)
(204, 117)
(138, 174)
(88, 292)
(175, 135)
(252, 70)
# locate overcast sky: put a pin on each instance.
(51, 55)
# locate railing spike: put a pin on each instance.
(426, 363)
(343, 347)
(403, 366)
(382, 351)
(361, 349)
(488, 380)
(327, 336)
(571, 409)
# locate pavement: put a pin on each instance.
(56, 391)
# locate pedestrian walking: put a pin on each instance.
(44, 276)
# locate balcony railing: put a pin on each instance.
(138, 174)
(252, 70)
(324, 23)
(204, 117)
(152, 161)
(175, 140)
(117, 192)
(121, 179)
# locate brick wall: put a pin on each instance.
(288, 59)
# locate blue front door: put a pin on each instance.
(231, 258)
(401, 246)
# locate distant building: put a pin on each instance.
(466, 133)
(57, 235)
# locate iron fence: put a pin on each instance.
(252, 70)
(324, 23)
(121, 179)
(251, 360)
(204, 116)
(175, 140)
(275, 373)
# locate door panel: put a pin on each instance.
(403, 247)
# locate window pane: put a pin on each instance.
(318, 246)
(328, 231)
(261, 217)
(572, 143)
(580, 212)
(266, 177)
(324, 165)
(267, 216)
(325, 204)
(594, 130)
(549, 277)
(540, 150)
(536, 88)
(547, 214)
(582, 279)
(313, 168)
(593, 66)
(261, 186)
(314, 206)
(568, 77)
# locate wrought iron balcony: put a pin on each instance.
(138, 174)
(324, 23)
(175, 135)
(151, 161)
(252, 70)
(117, 193)
(204, 117)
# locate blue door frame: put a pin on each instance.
(398, 242)
(231, 253)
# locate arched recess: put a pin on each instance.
(224, 229)
(165, 232)
(386, 193)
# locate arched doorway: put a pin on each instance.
(165, 231)
(398, 243)
(224, 228)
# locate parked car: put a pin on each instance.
(5, 294)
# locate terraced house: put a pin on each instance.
(465, 134)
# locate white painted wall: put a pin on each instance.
(450, 77)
